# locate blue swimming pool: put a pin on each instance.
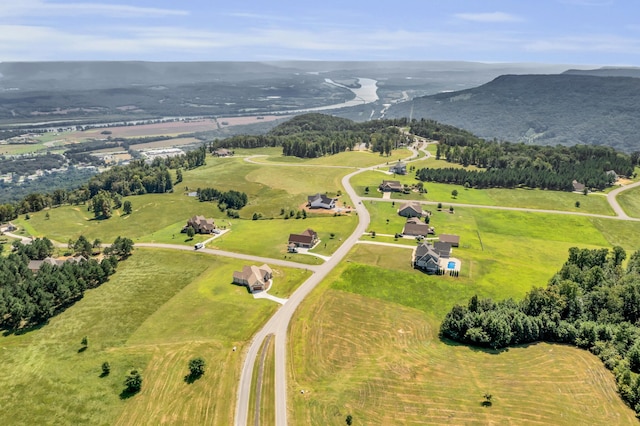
(451, 265)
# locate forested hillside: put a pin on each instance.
(509, 165)
(593, 302)
(315, 135)
(563, 109)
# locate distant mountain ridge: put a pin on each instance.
(553, 109)
(608, 72)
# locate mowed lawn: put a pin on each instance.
(346, 159)
(522, 198)
(630, 201)
(158, 311)
(160, 217)
(366, 344)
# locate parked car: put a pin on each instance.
(199, 246)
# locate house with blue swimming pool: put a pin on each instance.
(435, 258)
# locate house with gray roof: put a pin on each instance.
(391, 186)
(411, 209)
(426, 258)
(321, 201)
(399, 168)
(35, 265)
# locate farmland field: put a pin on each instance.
(630, 202)
(522, 198)
(391, 367)
(154, 314)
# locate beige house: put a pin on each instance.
(254, 278)
(414, 228)
(201, 225)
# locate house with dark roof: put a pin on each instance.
(411, 209)
(254, 278)
(306, 239)
(443, 249)
(414, 227)
(426, 258)
(399, 168)
(222, 152)
(391, 186)
(454, 240)
(321, 201)
(201, 225)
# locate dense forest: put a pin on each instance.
(28, 298)
(510, 165)
(226, 199)
(540, 109)
(592, 302)
(315, 135)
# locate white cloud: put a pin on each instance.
(22, 42)
(31, 8)
(489, 17)
(592, 43)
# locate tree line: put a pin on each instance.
(510, 165)
(226, 199)
(592, 303)
(28, 298)
(315, 135)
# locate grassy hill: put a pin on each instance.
(365, 342)
(369, 347)
(542, 109)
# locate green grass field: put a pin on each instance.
(630, 201)
(347, 159)
(523, 198)
(160, 217)
(154, 314)
(265, 360)
(391, 368)
(364, 343)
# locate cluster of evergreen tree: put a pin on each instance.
(510, 165)
(226, 199)
(28, 298)
(592, 302)
(443, 133)
(315, 135)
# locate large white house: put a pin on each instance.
(321, 201)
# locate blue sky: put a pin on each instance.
(590, 32)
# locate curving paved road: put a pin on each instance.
(611, 198)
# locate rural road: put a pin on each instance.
(278, 324)
(611, 198)
(251, 258)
